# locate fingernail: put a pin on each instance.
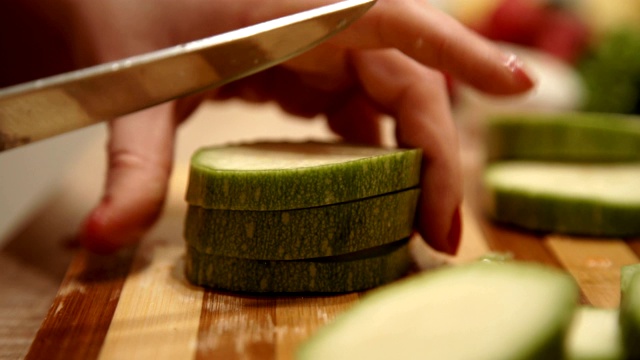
(90, 238)
(453, 238)
(92, 235)
(517, 69)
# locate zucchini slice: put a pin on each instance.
(289, 175)
(595, 335)
(345, 273)
(627, 273)
(580, 137)
(302, 233)
(581, 199)
(480, 311)
(630, 310)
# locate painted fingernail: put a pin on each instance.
(91, 236)
(94, 237)
(517, 69)
(453, 238)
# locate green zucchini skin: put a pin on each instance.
(627, 272)
(555, 211)
(546, 213)
(302, 233)
(322, 275)
(580, 137)
(369, 172)
(630, 311)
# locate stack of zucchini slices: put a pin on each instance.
(569, 173)
(299, 217)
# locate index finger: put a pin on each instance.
(421, 32)
(435, 39)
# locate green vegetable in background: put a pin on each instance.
(611, 72)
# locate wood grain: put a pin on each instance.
(79, 318)
(634, 245)
(298, 318)
(595, 264)
(158, 311)
(524, 246)
(25, 297)
(33, 264)
(236, 327)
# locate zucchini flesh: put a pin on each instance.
(595, 335)
(579, 137)
(302, 233)
(480, 311)
(288, 175)
(346, 273)
(582, 199)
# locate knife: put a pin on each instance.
(54, 105)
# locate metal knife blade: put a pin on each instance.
(47, 107)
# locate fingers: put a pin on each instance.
(421, 31)
(357, 120)
(298, 94)
(417, 98)
(438, 41)
(140, 157)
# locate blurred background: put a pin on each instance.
(588, 50)
(585, 55)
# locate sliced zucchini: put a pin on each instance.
(581, 137)
(287, 175)
(302, 233)
(627, 272)
(595, 335)
(630, 310)
(491, 311)
(583, 199)
(351, 272)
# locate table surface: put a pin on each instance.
(58, 300)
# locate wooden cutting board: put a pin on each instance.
(138, 304)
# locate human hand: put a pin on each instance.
(389, 62)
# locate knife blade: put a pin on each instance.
(54, 105)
